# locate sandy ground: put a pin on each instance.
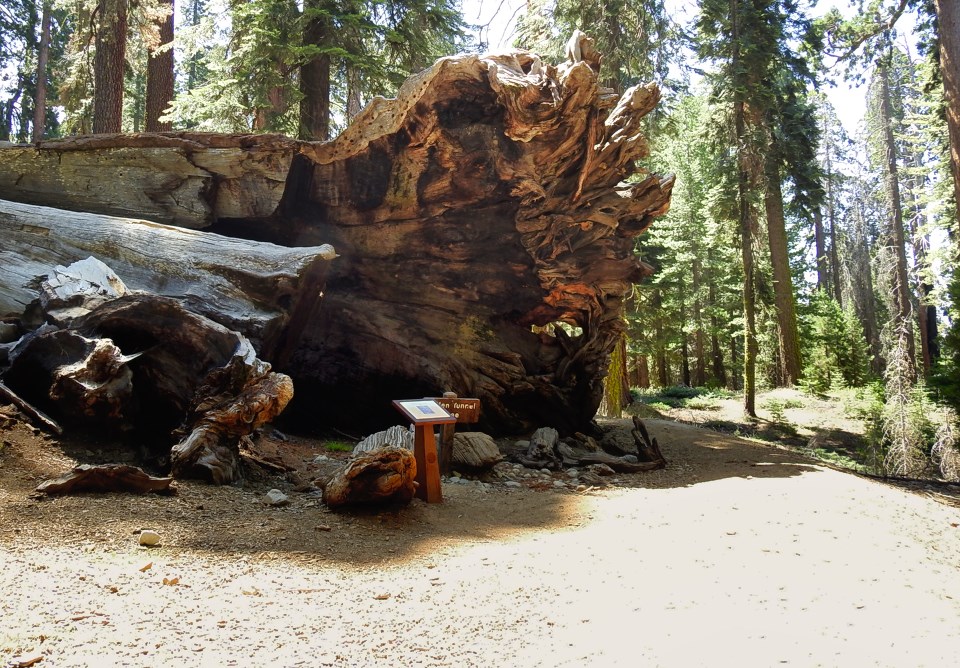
(738, 554)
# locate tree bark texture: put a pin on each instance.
(782, 278)
(901, 286)
(948, 25)
(160, 77)
(43, 54)
(490, 196)
(315, 74)
(108, 64)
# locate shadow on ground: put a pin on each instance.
(234, 520)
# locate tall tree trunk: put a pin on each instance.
(43, 53)
(160, 75)
(861, 278)
(746, 230)
(782, 279)
(901, 296)
(948, 24)
(700, 369)
(315, 76)
(820, 245)
(108, 65)
(643, 372)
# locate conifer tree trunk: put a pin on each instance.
(821, 249)
(948, 24)
(160, 76)
(700, 370)
(782, 279)
(901, 296)
(315, 76)
(745, 220)
(43, 54)
(108, 65)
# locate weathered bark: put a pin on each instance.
(106, 478)
(474, 451)
(254, 288)
(160, 74)
(487, 198)
(184, 179)
(384, 475)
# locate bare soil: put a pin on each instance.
(738, 553)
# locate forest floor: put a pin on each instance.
(738, 553)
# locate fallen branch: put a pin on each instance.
(34, 413)
(106, 478)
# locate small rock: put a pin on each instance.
(512, 483)
(631, 458)
(320, 459)
(149, 538)
(276, 498)
(559, 483)
(522, 444)
(581, 488)
(573, 473)
(545, 471)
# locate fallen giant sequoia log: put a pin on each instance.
(495, 196)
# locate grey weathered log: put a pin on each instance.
(475, 451)
(384, 475)
(186, 179)
(396, 436)
(244, 285)
(106, 478)
(541, 453)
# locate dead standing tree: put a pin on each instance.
(494, 196)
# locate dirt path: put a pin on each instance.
(737, 554)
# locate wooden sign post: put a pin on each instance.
(424, 414)
(467, 411)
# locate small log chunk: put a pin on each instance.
(475, 450)
(379, 476)
(106, 478)
(541, 453)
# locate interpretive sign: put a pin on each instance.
(425, 413)
(467, 411)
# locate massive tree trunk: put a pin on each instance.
(948, 24)
(315, 74)
(160, 74)
(108, 64)
(488, 198)
(782, 280)
(40, 96)
(901, 287)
